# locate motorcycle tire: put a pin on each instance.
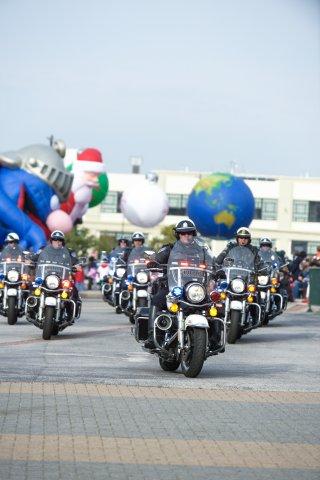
(234, 331)
(192, 361)
(48, 323)
(12, 313)
(265, 320)
(169, 366)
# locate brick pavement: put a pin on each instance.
(70, 430)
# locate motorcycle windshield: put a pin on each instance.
(54, 260)
(270, 259)
(239, 263)
(44, 269)
(187, 263)
(136, 261)
(7, 265)
(116, 261)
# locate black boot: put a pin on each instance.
(149, 343)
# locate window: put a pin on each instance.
(298, 246)
(177, 204)
(314, 212)
(300, 212)
(111, 204)
(266, 209)
(312, 248)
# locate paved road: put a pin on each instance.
(92, 403)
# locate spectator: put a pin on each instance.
(315, 261)
(79, 278)
(91, 273)
(301, 283)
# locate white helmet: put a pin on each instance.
(12, 237)
(138, 236)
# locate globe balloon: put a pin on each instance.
(219, 204)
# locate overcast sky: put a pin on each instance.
(183, 83)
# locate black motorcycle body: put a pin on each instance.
(237, 289)
(271, 297)
(111, 286)
(135, 293)
(188, 331)
(15, 279)
(50, 305)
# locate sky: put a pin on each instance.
(197, 84)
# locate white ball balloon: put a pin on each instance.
(144, 204)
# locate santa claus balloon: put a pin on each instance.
(90, 182)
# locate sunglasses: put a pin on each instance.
(185, 233)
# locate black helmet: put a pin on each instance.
(185, 226)
(265, 242)
(243, 232)
(123, 239)
(57, 235)
(12, 237)
(138, 236)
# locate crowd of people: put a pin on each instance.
(91, 275)
(298, 268)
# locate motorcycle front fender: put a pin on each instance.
(12, 292)
(196, 321)
(236, 305)
(50, 301)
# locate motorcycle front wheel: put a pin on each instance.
(234, 331)
(12, 313)
(48, 323)
(193, 357)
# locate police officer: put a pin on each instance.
(56, 252)
(185, 232)
(122, 249)
(243, 239)
(266, 251)
(12, 248)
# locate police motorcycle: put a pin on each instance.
(112, 282)
(50, 305)
(135, 293)
(271, 297)
(15, 277)
(189, 330)
(236, 293)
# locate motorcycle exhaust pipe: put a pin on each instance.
(31, 302)
(124, 295)
(163, 322)
(107, 288)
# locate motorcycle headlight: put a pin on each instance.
(142, 277)
(237, 285)
(13, 275)
(120, 272)
(195, 293)
(263, 279)
(52, 282)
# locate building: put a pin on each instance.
(287, 208)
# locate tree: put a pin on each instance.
(166, 236)
(80, 241)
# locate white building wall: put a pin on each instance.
(284, 189)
